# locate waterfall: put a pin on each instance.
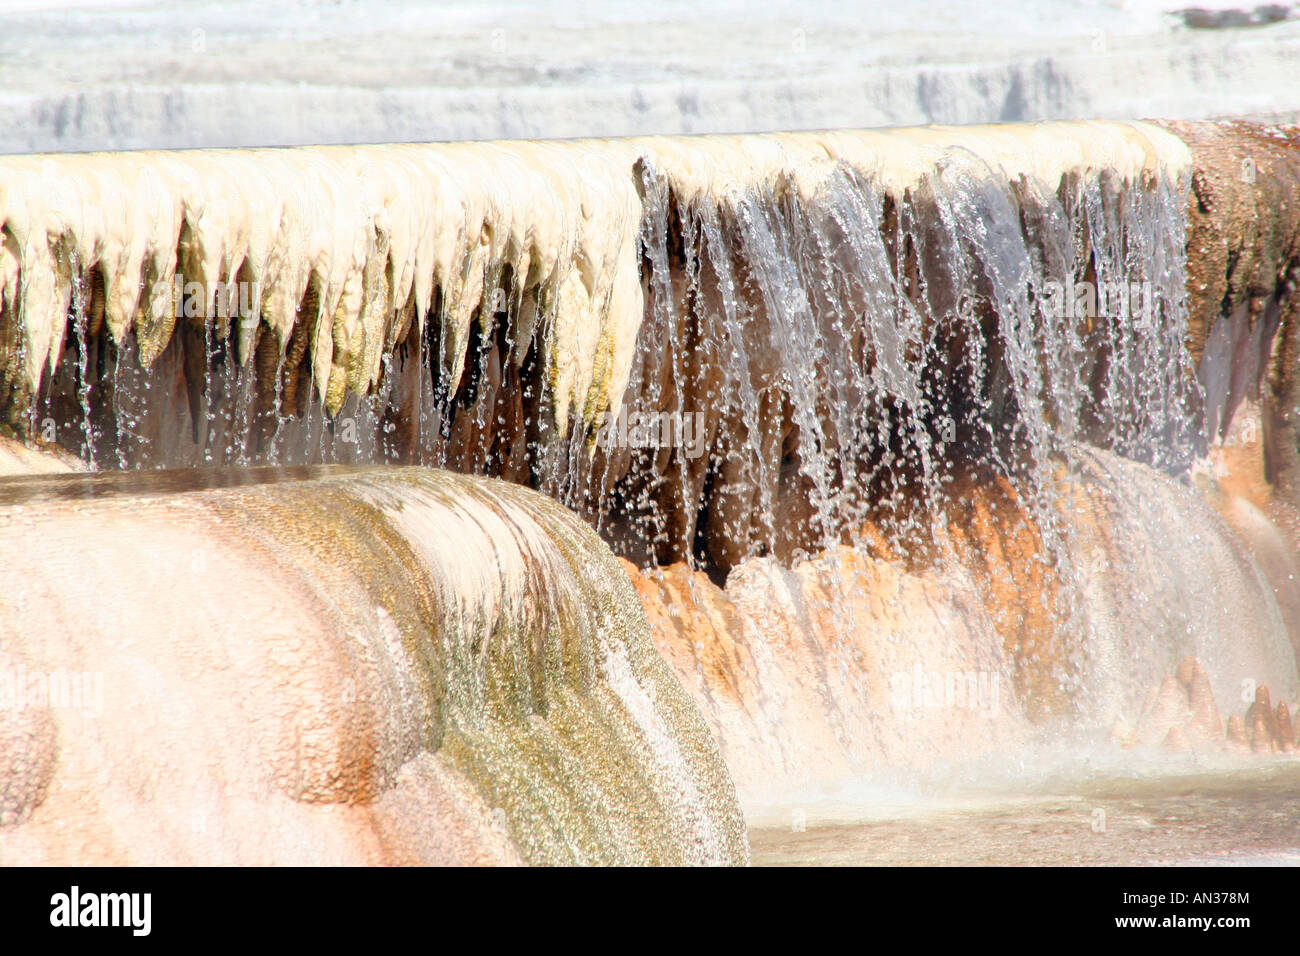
(856, 408)
(861, 297)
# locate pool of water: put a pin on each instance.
(1244, 816)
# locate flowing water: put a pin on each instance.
(1183, 815)
(842, 341)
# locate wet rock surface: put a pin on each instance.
(916, 488)
(388, 666)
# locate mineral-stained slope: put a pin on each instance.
(950, 403)
(387, 666)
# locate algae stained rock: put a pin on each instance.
(324, 666)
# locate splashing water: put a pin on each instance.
(843, 338)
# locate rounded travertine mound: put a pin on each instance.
(333, 666)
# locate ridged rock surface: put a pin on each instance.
(385, 666)
(352, 247)
(906, 455)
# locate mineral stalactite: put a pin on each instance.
(1013, 403)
